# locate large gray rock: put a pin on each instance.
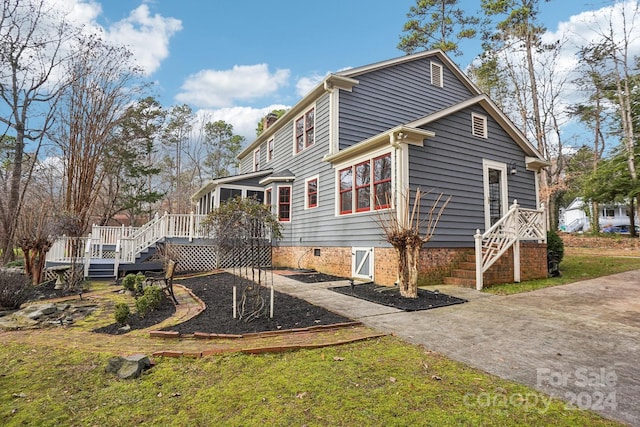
(129, 367)
(37, 311)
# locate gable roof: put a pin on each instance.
(438, 53)
(346, 80)
(535, 160)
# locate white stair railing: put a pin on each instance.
(129, 241)
(167, 226)
(517, 225)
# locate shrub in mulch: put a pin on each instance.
(135, 321)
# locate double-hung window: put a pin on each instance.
(256, 160)
(311, 195)
(366, 185)
(305, 130)
(363, 186)
(346, 195)
(382, 181)
(270, 150)
(284, 203)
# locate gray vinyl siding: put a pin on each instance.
(391, 96)
(451, 163)
(319, 226)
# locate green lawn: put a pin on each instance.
(383, 382)
(573, 268)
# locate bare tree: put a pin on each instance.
(34, 235)
(32, 39)
(104, 83)
(403, 229)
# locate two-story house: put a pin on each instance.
(344, 154)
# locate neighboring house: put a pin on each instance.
(345, 153)
(575, 217)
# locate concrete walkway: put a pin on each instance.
(579, 342)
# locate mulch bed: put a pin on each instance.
(46, 290)
(390, 296)
(164, 311)
(216, 291)
(309, 276)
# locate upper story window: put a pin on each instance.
(284, 203)
(436, 75)
(311, 194)
(366, 185)
(305, 130)
(270, 144)
(479, 125)
(256, 160)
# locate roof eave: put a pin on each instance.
(398, 135)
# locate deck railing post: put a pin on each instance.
(515, 220)
(116, 260)
(87, 256)
(192, 226)
(478, 240)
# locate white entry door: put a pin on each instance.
(495, 191)
(362, 263)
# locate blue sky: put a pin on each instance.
(237, 60)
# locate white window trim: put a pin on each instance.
(315, 131)
(277, 202)
(270, 153)
(256, 159)
(437, 75)
(357, 160)
(483, 119)
(306, 192)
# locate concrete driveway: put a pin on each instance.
(579, 342)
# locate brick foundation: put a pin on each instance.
(335, 261)
(533, 265)
(434, 265)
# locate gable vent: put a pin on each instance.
(436, 74)
(478, 125)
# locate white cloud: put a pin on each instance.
(590, 26)
(306, 84)
(147, 36)
(244, 119)
(220, 88)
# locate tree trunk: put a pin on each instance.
(403, 270)
(413, 254)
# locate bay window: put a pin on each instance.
(366, 186)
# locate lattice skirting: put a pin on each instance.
(204, 258)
